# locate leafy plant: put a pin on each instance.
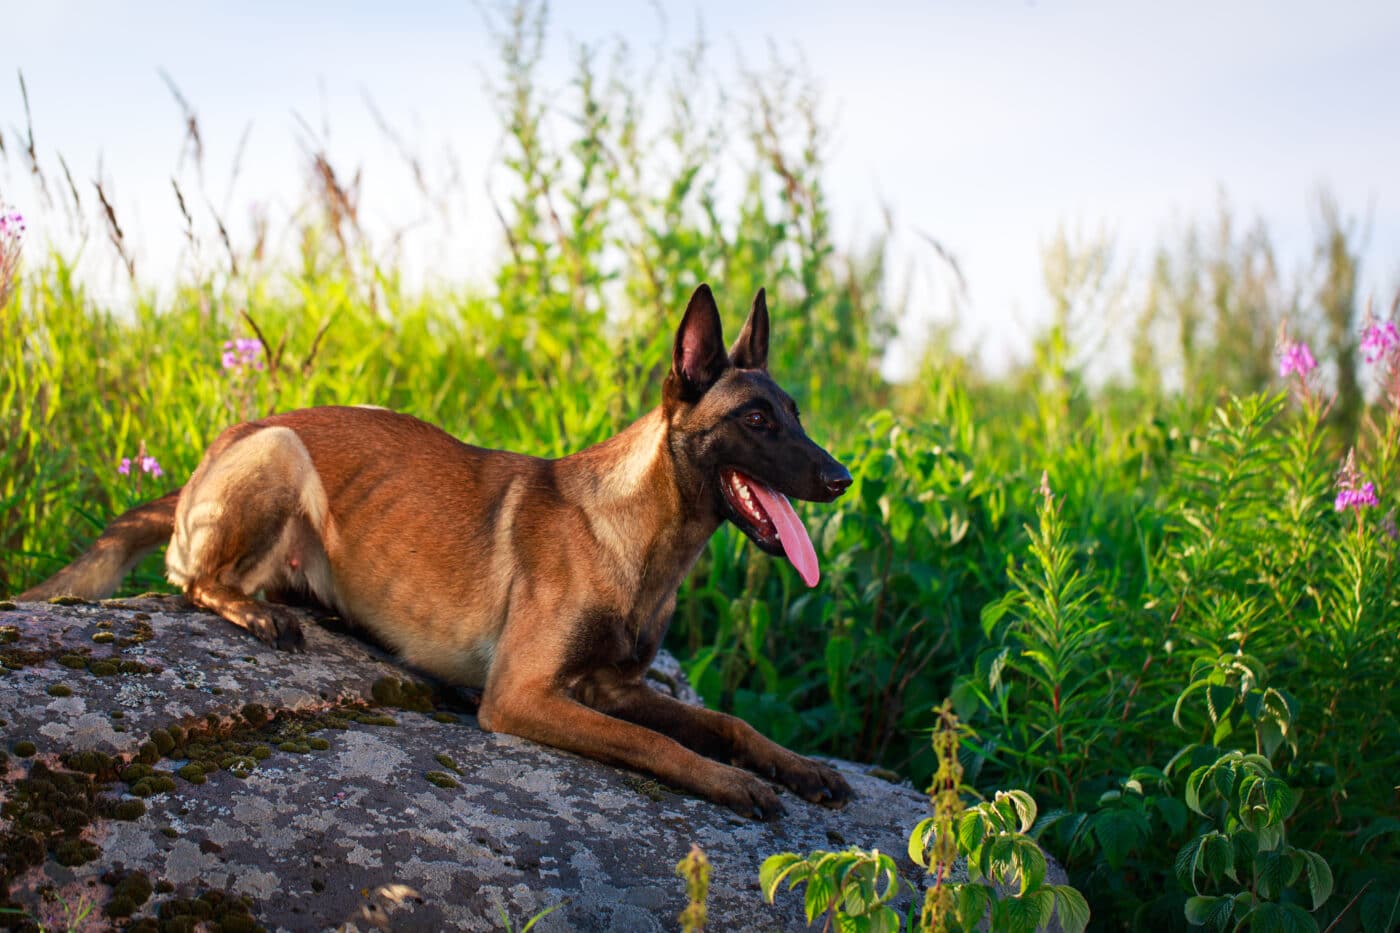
(854, 889)
(851, 890)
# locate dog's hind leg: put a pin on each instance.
(252, 518)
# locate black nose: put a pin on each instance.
(837, 480)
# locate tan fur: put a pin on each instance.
(549, 584)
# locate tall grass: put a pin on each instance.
(1120, 582)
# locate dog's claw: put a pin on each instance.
(815, 782)
(749, 796)
(279, 627)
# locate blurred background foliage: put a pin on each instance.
(1193, 552)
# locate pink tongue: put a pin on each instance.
(791, 532)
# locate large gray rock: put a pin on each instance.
(336, 807)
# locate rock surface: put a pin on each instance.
(349, 795)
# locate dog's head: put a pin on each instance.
(740, 433)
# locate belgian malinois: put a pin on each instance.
(547, 583)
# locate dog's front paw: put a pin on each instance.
(279, 627)
(814, 781)
(748, 795)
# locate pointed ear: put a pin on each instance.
(750, 350)
(698, 359)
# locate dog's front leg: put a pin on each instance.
(719, 735)
(546, 715)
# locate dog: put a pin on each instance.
(548, 584)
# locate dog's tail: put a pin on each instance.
(99, 571)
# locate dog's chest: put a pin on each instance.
(617, 641)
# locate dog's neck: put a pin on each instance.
(651, 517)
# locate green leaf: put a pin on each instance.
(1117, 835)
(1045, 903)
(759, 619)
(818, 897)
(1270, 736)
(1297, 920)
(919, 840)
(1271, 871)
(883, 920)
(1211, 912)
(1033, 865)
(966, 700)
(1181, 701)
(1271, 837)
(1380, 911)
(1319, 877)
(1193, 789)
(840, 650)
(1188, 861)
(1219, 699)
(1173, 813)
(970, 831)
(998, 858)
(1021, 914)
(971, 902)
(1280, 918)
(1281, 799)
(1073, 908)
(992, 613)
(886, 868)
(774, 869)
(1218, 857)
(1025, 807)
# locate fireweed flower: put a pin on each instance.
(242, 354)
(143, 462)
(12, 225)
(12, 229)
(1358, 499)
(1353, 492)
(1379, 339)
(1295, 358)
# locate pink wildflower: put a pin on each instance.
(12, 225)
(1296, 358)
(1378, 340)
(11, 234)
(151, 466)
(1352, 490)
(241, 354)
(124, 468)
(1358, 499)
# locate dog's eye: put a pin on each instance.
(756, 419)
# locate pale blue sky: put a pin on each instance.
(985, 124)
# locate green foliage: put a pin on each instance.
(853, 889)
(1239, 866)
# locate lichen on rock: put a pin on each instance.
(264, 789)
